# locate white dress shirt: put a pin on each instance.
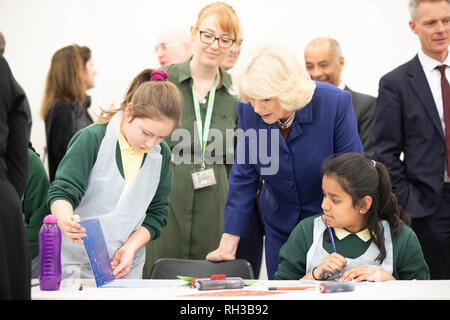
(434, 81)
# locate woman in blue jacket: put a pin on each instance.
(288, 124)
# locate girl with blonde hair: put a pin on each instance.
(118, 171)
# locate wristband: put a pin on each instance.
(312, 273)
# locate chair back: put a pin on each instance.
(170, 268)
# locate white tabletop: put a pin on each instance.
(177, 289)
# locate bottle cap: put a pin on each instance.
(50, 219)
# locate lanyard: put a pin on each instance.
(204, 131)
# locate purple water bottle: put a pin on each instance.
(50, 254)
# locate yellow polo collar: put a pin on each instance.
(364, 235)
(131, 159)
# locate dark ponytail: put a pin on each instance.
(390, 210)
(359, 177)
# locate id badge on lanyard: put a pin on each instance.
(204, 177)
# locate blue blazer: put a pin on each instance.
(325, 126)
(407, 121)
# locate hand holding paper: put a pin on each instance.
(67, 221)
(123, 258)
(121, 262)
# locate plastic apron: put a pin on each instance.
(316, 253)
(120, 206)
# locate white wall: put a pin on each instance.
(374, 35)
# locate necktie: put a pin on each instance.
(446, 104)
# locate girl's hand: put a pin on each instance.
(123, 258)
(72, 228)
(330, 265)
(122, 261)
(67, 221)
(366, 273)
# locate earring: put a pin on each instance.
(360, 211)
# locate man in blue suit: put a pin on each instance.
(288, 125)
(410, 121)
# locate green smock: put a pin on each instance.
(194, 225)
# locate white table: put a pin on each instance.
(177, 290)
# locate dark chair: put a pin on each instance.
(169, 268)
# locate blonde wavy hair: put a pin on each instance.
(273, 71)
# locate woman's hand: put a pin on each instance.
(366, 273)
(227, 248)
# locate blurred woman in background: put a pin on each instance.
(65, 103)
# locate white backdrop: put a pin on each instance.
(374, 36)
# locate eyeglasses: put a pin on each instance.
(224, 42)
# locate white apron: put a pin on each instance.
(316, 253)
(120, 206)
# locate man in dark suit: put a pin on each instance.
(325, 62)
(410, 121)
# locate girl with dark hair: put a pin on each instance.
(118, 170)
(362, 233)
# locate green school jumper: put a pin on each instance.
(409, 262)
(73, 172)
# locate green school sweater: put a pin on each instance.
(409, 262)
(72, 176)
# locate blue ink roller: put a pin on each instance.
(336, 286)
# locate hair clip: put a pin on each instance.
(158, 75)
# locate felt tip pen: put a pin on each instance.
(332, 238)
(293, 288)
